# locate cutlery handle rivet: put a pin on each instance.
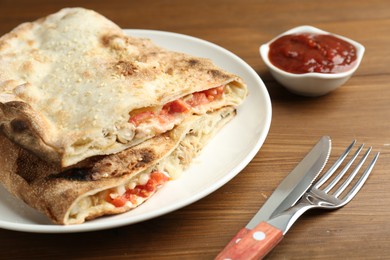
(259, 235)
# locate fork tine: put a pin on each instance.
(343, 171)
(355, 189)
(352, 175)
(334, 167)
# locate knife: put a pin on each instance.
(289, 191)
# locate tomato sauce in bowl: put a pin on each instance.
(311, 62)
(308, 52)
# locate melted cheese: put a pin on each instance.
(172, 164)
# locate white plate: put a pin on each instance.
(222, 159)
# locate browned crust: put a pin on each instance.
(21, 124)
(30, 123)
(48, 189)
(42, 186)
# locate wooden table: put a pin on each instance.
(360, 109)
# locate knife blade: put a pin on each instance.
(294, 185)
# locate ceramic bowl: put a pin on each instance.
(312, 83)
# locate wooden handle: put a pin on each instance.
(232, 242)
(254, 244)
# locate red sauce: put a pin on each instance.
(303, 53)
(156, 179)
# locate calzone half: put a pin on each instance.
(108, 184)
(73, 85)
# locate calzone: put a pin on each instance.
(108, 184)
(73, 85)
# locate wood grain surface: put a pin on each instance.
(359, 110)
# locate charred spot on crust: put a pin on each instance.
(19, 125)
(31, 168)
(169, 71)
(216, 73)
(193, 62)
(125, 68)
(145, 156)
(27, 168)
(115, 42)
(74, 174)
(107, 39)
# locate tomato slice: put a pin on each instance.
(197, 99)
(119, 201)
(177, 106)
(141, 117)
(206, 96)
(214, 93)
(156, 179)
(159, 178)
(164, 116)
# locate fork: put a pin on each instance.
(326, 193)
(329, 197)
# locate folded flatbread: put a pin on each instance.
(73, 85)
(108, 184)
